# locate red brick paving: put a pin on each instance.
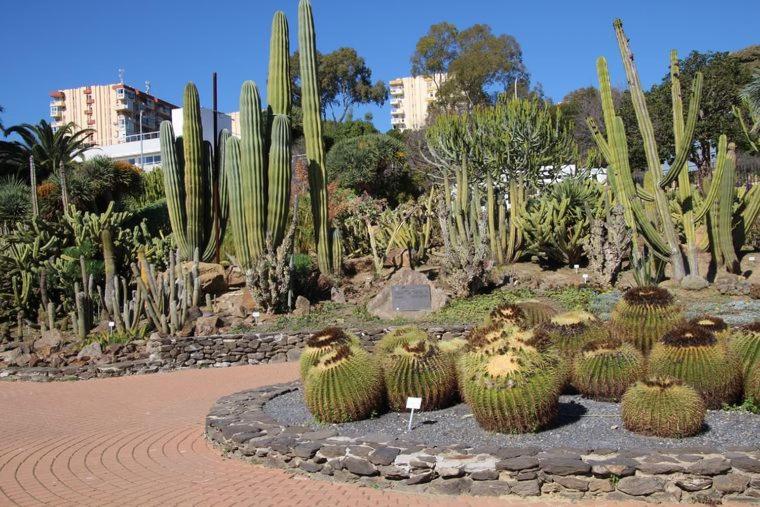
(139, 441)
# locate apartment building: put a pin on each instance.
(113, 111)
(410, 99)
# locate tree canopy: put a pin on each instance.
(479, 64)
(580, 104)
(345, 81)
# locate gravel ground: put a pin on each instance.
(581, 423)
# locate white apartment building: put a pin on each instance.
(410, 99)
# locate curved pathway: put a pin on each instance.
(139, 441)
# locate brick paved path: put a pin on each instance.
(139, 441)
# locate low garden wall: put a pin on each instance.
(214, 351)
(239, 426)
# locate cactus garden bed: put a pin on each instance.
(585, 454)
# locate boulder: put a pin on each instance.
(382, 305)
(205, 326)
(337, 295)
(50, 341)
(237, 303)
(91, 352)
(302, 307)
(213, 277)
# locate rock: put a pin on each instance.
(526, 488)
(212, 276)
(91, 352)
(558, 465)
(572, 483)
(9, 357)
(452, 486)
(621, 467)
(659, 468)
(640, 486)
(731, 483)
(48, 342)
(420, 478)
(746, 464)
(382, 305)
(307, 450)
(709, 466)
(303, 307)
(310, 467)
(383, 455)
(337, 295)
(484, 475)
(517, 464)
(694, 483)
(358, 466)
(205, 326)
(600, 486)
(694, 282)
(237, 303)
(489, 488)
(235, 277)
(449, 472)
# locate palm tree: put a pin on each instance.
(50, 147)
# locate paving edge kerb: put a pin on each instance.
(239, 427)
(214, 351)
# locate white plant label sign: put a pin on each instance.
(414, 404)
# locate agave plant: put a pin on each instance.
(662, 407)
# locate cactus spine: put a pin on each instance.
(605, 368)
(662, 408)
(312, 129)
(643, 315)
(189, 177)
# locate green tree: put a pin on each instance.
(479, 65)
(50, 147)
(580, 104)
(345, 81)
(334, 132)
(374, 164)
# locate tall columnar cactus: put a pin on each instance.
(643, 315)
(189, 179)
(312, 129)
(419, 369)
(658, 231)
(258, 164)
(693, 355)
(662, 408)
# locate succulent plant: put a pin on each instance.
(510, 314)
(643, 315)
(606, 367)
(396, 337)
(324, 342)
(515, 391)
(662, 407)
(744, 343)
(568, 332)
(537, 311)
(715, 325)
(693, 355)
(345, 385)
(752, 386)
(454, 346)
(418, 368)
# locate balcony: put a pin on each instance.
(397, 90)
(56, 111)
(396, 82)
(396, 101)
(397, 121)
(90, 102)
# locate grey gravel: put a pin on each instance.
(581, 423)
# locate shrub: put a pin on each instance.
(418, 368)
(605, 368)
(345, 385)
(643, 315)
(322, 343)
(662, 408)
(515, 391)
(693, 355)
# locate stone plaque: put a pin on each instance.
(410, 298)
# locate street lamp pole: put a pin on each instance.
(142, 161)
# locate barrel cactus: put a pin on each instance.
(693, 355)
(396, 337)
(568, 332)
(322, 343)
(419, 369)
(516, 391)
(662, 407)
(509, 314)
(715, 325)
(536, 311)
(752, 386)
(744, 343)
(606, 367)
(643, 315)
(454, 347)
(345, 385)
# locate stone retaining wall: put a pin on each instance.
(239, 426)
(256, 348)
(172, 353)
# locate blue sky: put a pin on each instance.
(52, 44)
